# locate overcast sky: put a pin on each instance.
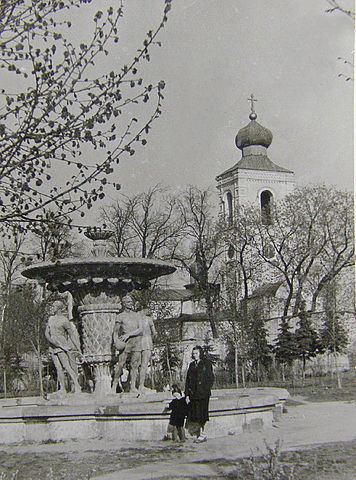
(214, 54)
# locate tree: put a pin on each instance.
(337, 222)
(11, 257)
(166, 350)
(334, 339)
(11, 260)
(117, 218)
(335, 6)
(311, 239)
(306, 338)
(202, 248)
(259, 350)
(146, 225)
(285, 347)
(54, 238)
(57, 105)
(244, 267)
(24, 327)
(333, 335)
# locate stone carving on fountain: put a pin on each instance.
(97, 285)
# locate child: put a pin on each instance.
(178, 408)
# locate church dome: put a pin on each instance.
(253, 134)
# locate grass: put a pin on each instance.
(324, 389)
(318, 389)
(334, 461)
(328, 462)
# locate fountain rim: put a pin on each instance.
(44, 270)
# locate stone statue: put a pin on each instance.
(133, 335)
(148, 330)
(65, 346)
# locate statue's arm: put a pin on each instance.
(133, 333)
(48, 333)
(116, 332)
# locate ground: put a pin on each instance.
(314, 440)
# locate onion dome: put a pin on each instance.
(253, 134)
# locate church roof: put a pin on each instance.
(173, 295)
(267, 290)
(254, 162)
(253, 140)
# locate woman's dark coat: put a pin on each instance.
(200, 379)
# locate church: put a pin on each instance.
(258, 181)
(254, 178)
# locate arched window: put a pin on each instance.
(266, 207)
(229, 208)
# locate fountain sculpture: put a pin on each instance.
(97, 286)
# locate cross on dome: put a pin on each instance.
(253, 114)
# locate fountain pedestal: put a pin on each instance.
(97, 323)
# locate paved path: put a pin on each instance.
(304, 425)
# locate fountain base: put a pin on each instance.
(127, 417)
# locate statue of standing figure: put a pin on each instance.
(65, 346)
(133, 335)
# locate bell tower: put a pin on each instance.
(254, 179)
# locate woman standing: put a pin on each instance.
(200, 379)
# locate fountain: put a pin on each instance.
(97, 285)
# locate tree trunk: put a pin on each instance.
(338, 376)
(258, 372)
(5, 383)
(303, 370)
(236, 367)
(169, 366)
(40, 376)
(283, 373)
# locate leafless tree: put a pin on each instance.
(312, 240)
(203, 248)
(146, 225)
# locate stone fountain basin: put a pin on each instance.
(124, 418)
(99, 268)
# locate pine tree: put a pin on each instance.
(306, 338)
(333, 339)
(259, 351)
(285, 348)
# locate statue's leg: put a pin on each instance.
(134, 366)
(118, 371)
(73, 363)
(61, 378)
(64, 359)
(145, 359)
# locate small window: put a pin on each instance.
(266, 207)
(231, 252)
(229, 208)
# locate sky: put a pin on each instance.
(214, 54)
